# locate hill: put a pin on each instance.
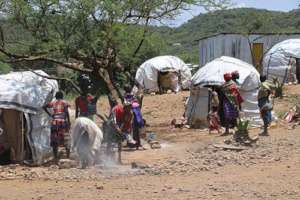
(181, 41)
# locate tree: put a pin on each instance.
(87, 36)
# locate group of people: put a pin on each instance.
(226, 104)
(126, 118)
(60, 126)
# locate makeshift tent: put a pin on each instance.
(170, 71)
(24, 122)
(280, 61)
(212, 75)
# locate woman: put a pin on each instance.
(264, 104)
(231, 103)
(60, 125)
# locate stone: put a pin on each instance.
(66, 164)
(138, 165)
(220, 164)
(100, 187)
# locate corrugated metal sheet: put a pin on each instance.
(237, 45)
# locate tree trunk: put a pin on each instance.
(110, 86)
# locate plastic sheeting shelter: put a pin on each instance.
(280, 60)
(212, 75)
(147, 74)
(22, 97)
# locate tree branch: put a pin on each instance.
(58, 78)
(15, 58)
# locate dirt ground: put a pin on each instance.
(188, 166)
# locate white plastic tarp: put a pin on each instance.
(25, 91)
(212, 75)
(147, 73)
(28, 92)
(197, 106)
(278, 61)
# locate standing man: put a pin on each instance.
(85, 105)
(60, 125)
(264, 104)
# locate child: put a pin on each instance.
(213, 118)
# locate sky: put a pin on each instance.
(279, 5)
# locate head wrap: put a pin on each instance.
(227, 77)
(235, 75)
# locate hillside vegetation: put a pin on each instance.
(241, 20)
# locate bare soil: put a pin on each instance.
(188, 166)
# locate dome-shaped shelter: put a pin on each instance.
(211, 74)
(163, 72)
(280, 61)
(25, 124)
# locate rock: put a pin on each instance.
(66, 164)
(277, 159)
(220, 164)
(100, 187)
(138, 165)
(228, 141)
(13, 166)
(53, 167)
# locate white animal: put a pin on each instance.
(86, 139)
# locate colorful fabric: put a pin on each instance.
(122, 120)
(60, 108)
(227, 77)
(138, 120)
(230, 111)
(86, 105)
(129, 97)
(59, 126)
(60, 135)
(213, 121)
(232, 93)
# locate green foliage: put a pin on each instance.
(242, 125)
(240, 20)
(4, 68)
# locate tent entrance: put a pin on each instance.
(13, 142)
(168, 80)
(257, 53)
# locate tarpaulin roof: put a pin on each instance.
(147, 73)
(26, 91)
(212, 73)
(278, 59)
